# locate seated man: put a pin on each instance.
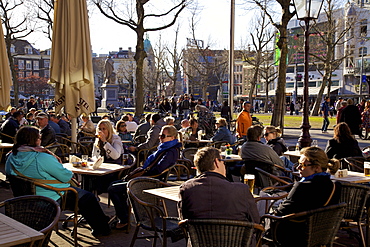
(47, 132)
(255, 150)
(212, 196)
(11, 126)
(142, 129)
(166, 156)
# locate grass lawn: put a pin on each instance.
(295, 121)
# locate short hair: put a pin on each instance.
(17, 114)
(254, 132)
(184, 121)
(148, 116)
(204, 158)
(124, 118)
(105, 116)
(172, 131)
(318, 157)
(108, 126)
(155, 117)
(85, 117)
(169, 120)
(350, 101)
(246, 102)
(221, 121)
(344, 103)
(30, 114)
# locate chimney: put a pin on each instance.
(120, 48)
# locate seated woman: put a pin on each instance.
(166, 156)
(34, 161)
(223, 134)
(193, 129)
(343, 144)
(273, 139)
(121, 128)
(314, 190)
(108, 145)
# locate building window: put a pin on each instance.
(28, 73)
(362, 51)
(12, 49)
(46, 63)
(28, 50)
(20, 64)
(349, 62)
(46, 74)
(335, 83)
(35, 65)
(300, 68)
(36, 74)
(28, 64)
(363, 28)
(20, 75)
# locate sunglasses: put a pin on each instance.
(162, 136)
(304, 165)
(124, 125)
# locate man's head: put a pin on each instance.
(209, 159)
(85, 118)
(169, 120)
(130, 117)
(147, 117)
(33, 110)
(18, 115)
(168, 133)
(185, 123)
(54, 118)
(42, 119)
(327, 99)
(247, 106)
(254, 133)
(12, 110)
(155, 118)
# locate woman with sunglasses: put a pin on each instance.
(314, 190)
(273, 139)
(121, 129)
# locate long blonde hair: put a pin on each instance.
(108, 126)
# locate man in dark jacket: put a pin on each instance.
(47, 132)
(11, 126)
(166, 156)
(211, 195)
(351, 116)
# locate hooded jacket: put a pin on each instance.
(40, 166)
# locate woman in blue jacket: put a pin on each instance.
(34, 161)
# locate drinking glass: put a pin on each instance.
(367, 169)
(249, 179)
(84, 160)
(314, 143)
(125, 158)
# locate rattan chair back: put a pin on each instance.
(38, 212)
(221, 232)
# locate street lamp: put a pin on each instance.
(306, 10)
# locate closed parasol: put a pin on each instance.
(71, 60)
(5, 76)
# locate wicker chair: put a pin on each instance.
(355, 196)
(22, 186)
(38, 212)
(150, 211)
(355, 164)
(316, 227)
(143, 154)
(221, 232)
(6, 138)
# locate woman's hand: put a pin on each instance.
(102, 136)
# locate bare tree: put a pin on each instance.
(268, 6)
(268, 74)
(111, 9)
(17, 26)
(45, 13)
(261, 35)
(331, 35)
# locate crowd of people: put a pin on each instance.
(34, 130)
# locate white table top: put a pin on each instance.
(14, 232)
(169, 193)
(353, 177)
(198, 141)
(6, 145)
(231, 157)
(292, 153)
(105, 168)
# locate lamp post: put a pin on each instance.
(306, 10)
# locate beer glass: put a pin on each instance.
(249, 179)
(125, 158)
(367, 169)
(84, 160)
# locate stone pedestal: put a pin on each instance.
(110, 96)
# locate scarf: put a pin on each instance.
(314, 175)
(25, 148)
(161, 148)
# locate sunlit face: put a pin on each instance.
(305, 167)
(122, 127)
(194, 125)
(247, 107)
(103, 129)
(269, 135)
(42, 122)
(165, 137)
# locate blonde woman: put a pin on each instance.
(107, 143)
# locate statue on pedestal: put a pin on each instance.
(109, 75)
